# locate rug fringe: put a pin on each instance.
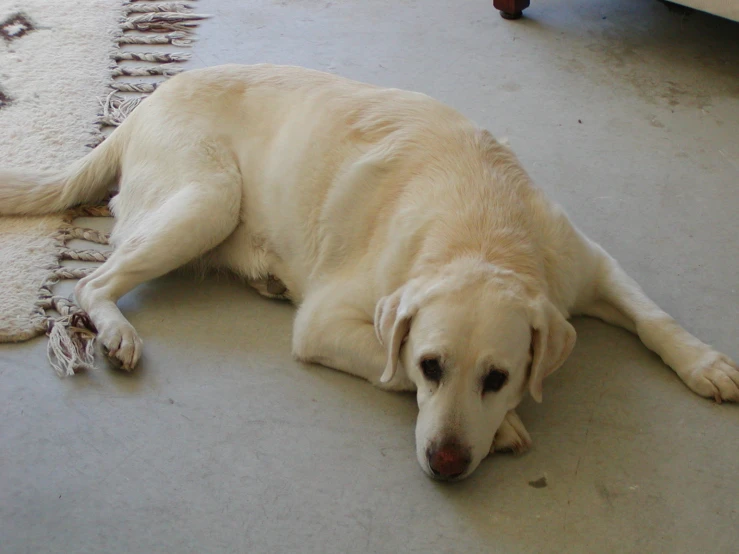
(102, 210)
(157, 27)
(156, 57)
(71, 334)
(85, 255)
(163, 22)
(146, 71)
(177, 38)
(135, 87)
(117, 108)
(90, 235)
(177, 7)
(71, 344)
(72, 272)
(154, 22)
(96, 139)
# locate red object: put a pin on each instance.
(511, 9)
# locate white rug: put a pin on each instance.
(62, 79)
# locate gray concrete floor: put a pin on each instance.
(628, 115)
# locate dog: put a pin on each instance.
(420, 255)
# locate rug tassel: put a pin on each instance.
(177, 7)
(156, 57)
(154, 71)
(83, 233)
(177, 38)
(146, 88)
(71, 349)
(164, 17)
(117, 108)
(163, 22)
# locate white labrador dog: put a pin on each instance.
(418, 251)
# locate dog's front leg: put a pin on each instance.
(620, 300)
(332, 331)
(511, 436)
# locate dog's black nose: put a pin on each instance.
(449, 460)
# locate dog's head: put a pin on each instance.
(473, 342)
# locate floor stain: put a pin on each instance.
(605, 57)
(540, 483)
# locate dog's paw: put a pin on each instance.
(717, 377)
(512, 436)
(121, 345)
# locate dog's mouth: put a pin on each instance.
(446, 478)
(442, 478)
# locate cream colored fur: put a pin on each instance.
(401, 230)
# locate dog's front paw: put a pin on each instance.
(716, 377)
(121, 345)
(512, 436)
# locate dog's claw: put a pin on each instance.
(122, 347)
(717, 378)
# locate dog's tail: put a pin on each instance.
(86, 180)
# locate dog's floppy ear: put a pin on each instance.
(393, 314)
(552, 340)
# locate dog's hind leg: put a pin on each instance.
(620, 300)
(270, 287)
(193, 220)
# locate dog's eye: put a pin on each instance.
(494, 381)
(431, 368)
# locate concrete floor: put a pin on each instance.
(628, 115)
